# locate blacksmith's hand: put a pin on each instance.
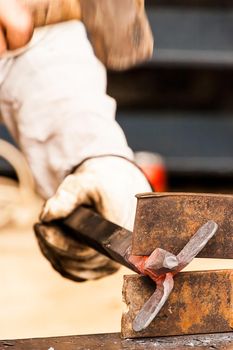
(16, 25)
(108, 184)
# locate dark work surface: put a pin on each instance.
(222, 341)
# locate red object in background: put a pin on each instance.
(154, 168)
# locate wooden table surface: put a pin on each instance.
(112, 341)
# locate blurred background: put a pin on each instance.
(178, 108)
(180, 103)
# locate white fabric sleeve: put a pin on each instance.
(53, 100)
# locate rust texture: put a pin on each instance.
(169, 220)
(201, 302)
(222, 341)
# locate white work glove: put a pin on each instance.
(109, 184)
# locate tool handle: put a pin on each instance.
(102, 235)
(53, 11)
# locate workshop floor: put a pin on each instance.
(35, 301)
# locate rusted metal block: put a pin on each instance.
(201, 302)
(168, 220)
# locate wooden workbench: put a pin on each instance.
(222, 341)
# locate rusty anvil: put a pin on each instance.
(179, 225)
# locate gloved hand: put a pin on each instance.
(109, 184)
(16, 25)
